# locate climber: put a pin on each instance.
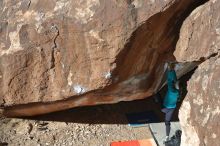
(171, 98)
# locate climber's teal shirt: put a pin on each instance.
(172, 93)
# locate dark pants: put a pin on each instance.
(168, 115)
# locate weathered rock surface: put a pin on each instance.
(56, 55)
(62, 54)
(200, 40)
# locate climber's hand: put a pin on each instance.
(165, 66)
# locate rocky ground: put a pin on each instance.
(85, 126)
(42, 133)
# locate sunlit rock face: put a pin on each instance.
(200, 40)
(59, 54)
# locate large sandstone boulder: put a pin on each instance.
(200, 111)
(59, 54)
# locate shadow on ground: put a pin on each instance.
(113, 113)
